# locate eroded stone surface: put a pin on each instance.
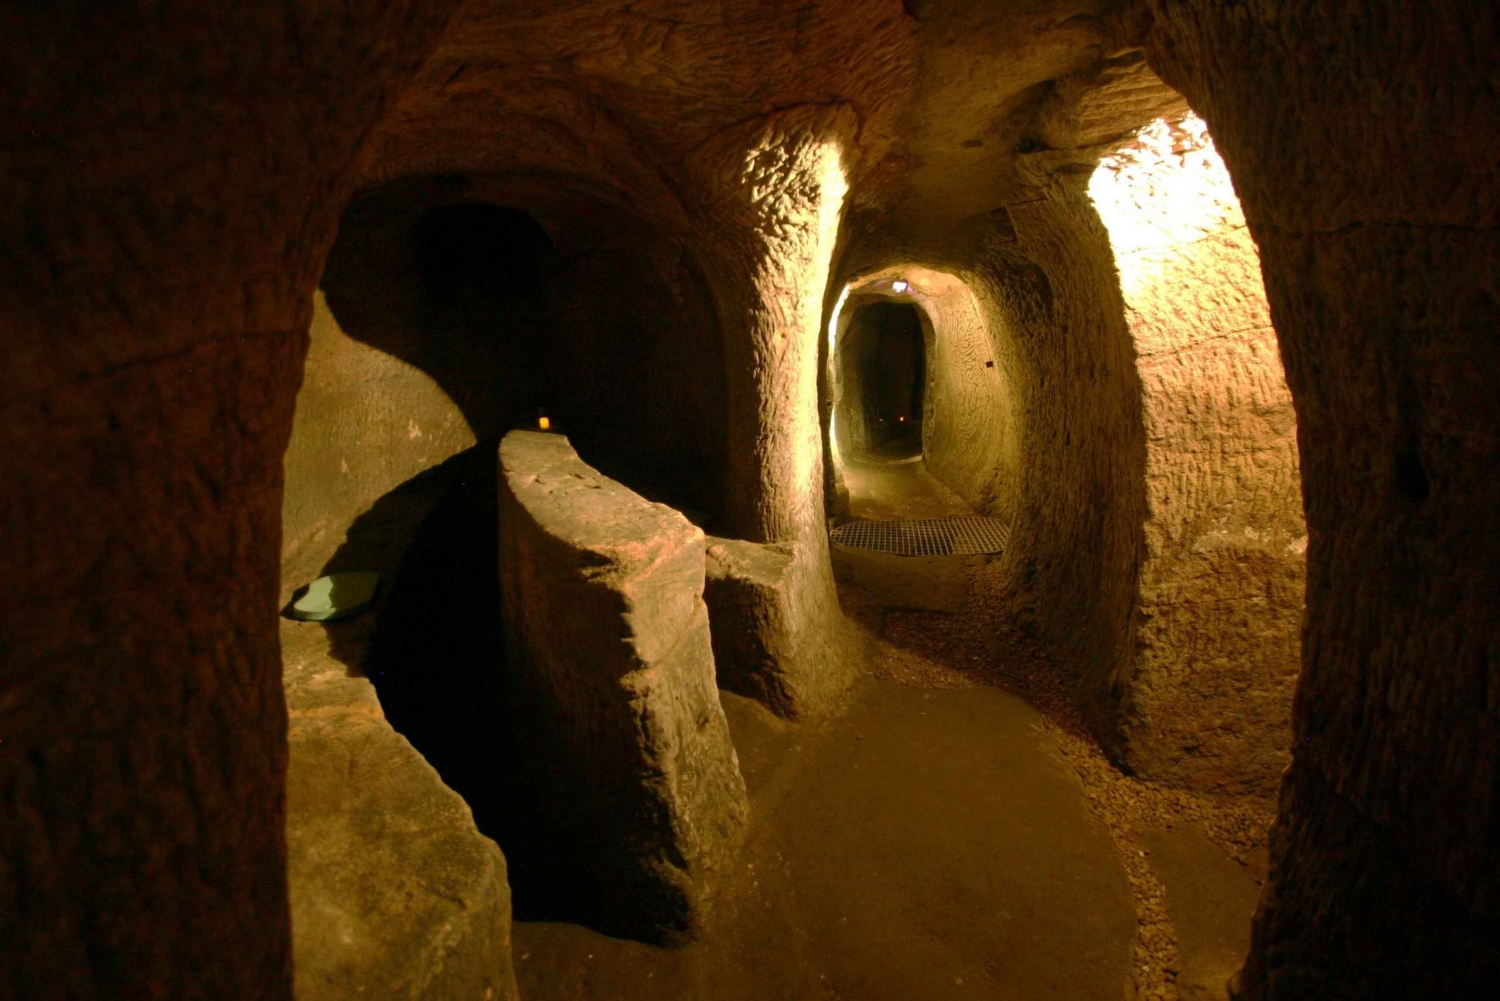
(173, 204)
(1221, 585)
(1361, 143)
(392, 887)
(763, 622)
(611, 687)
(147, 392)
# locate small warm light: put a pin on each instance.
(544, 422)
(899, 286)
(901, 419)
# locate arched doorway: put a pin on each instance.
(883, 364)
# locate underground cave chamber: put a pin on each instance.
(446, 318)
(449, 317)
(176, 761)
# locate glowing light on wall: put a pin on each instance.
(544, 422)
(832, 187)
(1166, 189)
(898, 286)
(794, 183)
(833, 321)
(833, 333)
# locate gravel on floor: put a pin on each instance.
(986, 643)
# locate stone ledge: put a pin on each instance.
(611, 692)
(772, 639)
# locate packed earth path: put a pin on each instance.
(955, 832)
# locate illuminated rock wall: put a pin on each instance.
(1362, 140)
(1221, 585)
(971, 437)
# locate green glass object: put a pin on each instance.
(336, 596)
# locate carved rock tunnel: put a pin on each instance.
(449, 318)
(623, 713)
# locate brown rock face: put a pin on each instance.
(763, 611)
(392, 888)
(610, 686)
(1362, 143)
(173, 182)
(1076, 546)
(1222, 581)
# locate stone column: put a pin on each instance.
(173, 180)
(610, 691)
(773, 192)
(770, 195)
(1362, 139)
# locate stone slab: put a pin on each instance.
(610, 689)
(771, 633)
(393, 889)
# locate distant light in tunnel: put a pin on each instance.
(544, 422)
(899, 286)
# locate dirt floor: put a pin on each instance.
(898, 488)
(955, 834)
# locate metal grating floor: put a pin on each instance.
(926, 536)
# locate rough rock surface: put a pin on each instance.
(1076, 545)
(444, 320)
(1362, 138)
(969, 425)
(1210, 698)
(393, 889)
(611, 687)
(174, 182)
(757, 606)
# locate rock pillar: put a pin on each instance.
(610, 689)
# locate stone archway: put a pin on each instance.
(882, 364)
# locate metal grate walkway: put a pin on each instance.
(926, 536)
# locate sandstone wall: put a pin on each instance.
(392, 886)
(856, 416)
(1076, 547)
(770, 640)
(878, 378)
(768, 194)
(1222, 583)
(173, 184)
(1362, 138)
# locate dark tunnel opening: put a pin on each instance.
(472, 252)
(884, 382)
(481, 323)
(457, 291)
